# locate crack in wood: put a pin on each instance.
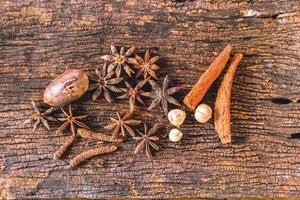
(295, 136)
(281, 101)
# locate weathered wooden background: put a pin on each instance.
(41, 39)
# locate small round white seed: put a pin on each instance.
(176, 117)
(203, 113)
(175, 135)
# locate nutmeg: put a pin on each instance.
(66, 88)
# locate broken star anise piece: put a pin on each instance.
(146, 66)
(120, 60)
(71, 121)
(104, 82)
(134, 93)
(147, 140)
(39, 117)
(122, 124)
(162, 95)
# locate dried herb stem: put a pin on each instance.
(70, 140)
(84, 133)
(90, 153)
(193, 98)
(222, 104)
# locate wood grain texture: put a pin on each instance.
(41, 39)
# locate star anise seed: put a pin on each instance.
(162, 95)
(120, 60)
(146, 66)
(122, 124)
(147, 140)
(134, 93)
(71, 121)
(104, 82)
(39, 117)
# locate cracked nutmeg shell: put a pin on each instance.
(66, 88)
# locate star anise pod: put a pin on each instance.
(134, 93)
(104, 82)
(162, 95)
(146, 66)
(147, 140)
(122, 124)
(71, 121)
(39, 117)
(120, 60)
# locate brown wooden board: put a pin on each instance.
(41, 39)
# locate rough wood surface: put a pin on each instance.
(41, 39)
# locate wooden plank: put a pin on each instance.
(39, 40)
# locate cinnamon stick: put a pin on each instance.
(222, 104)
(84, 133)
(193, 98)
(90, 153)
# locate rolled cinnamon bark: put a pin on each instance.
(222, 104)
(193, 98)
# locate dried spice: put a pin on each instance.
(72, 84)
(70, 140)
(222, 104)
(71, 121)
(193, 98)
(122, 124)
(66, 88)
(105, 81)
(162, 95)
(146, 66)
(84, 133)
(203, 113)
(147, 140)
(134, 93)
(175, 135)
(90, 153)
(39, 117)
(176, 117)
(120, 60)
